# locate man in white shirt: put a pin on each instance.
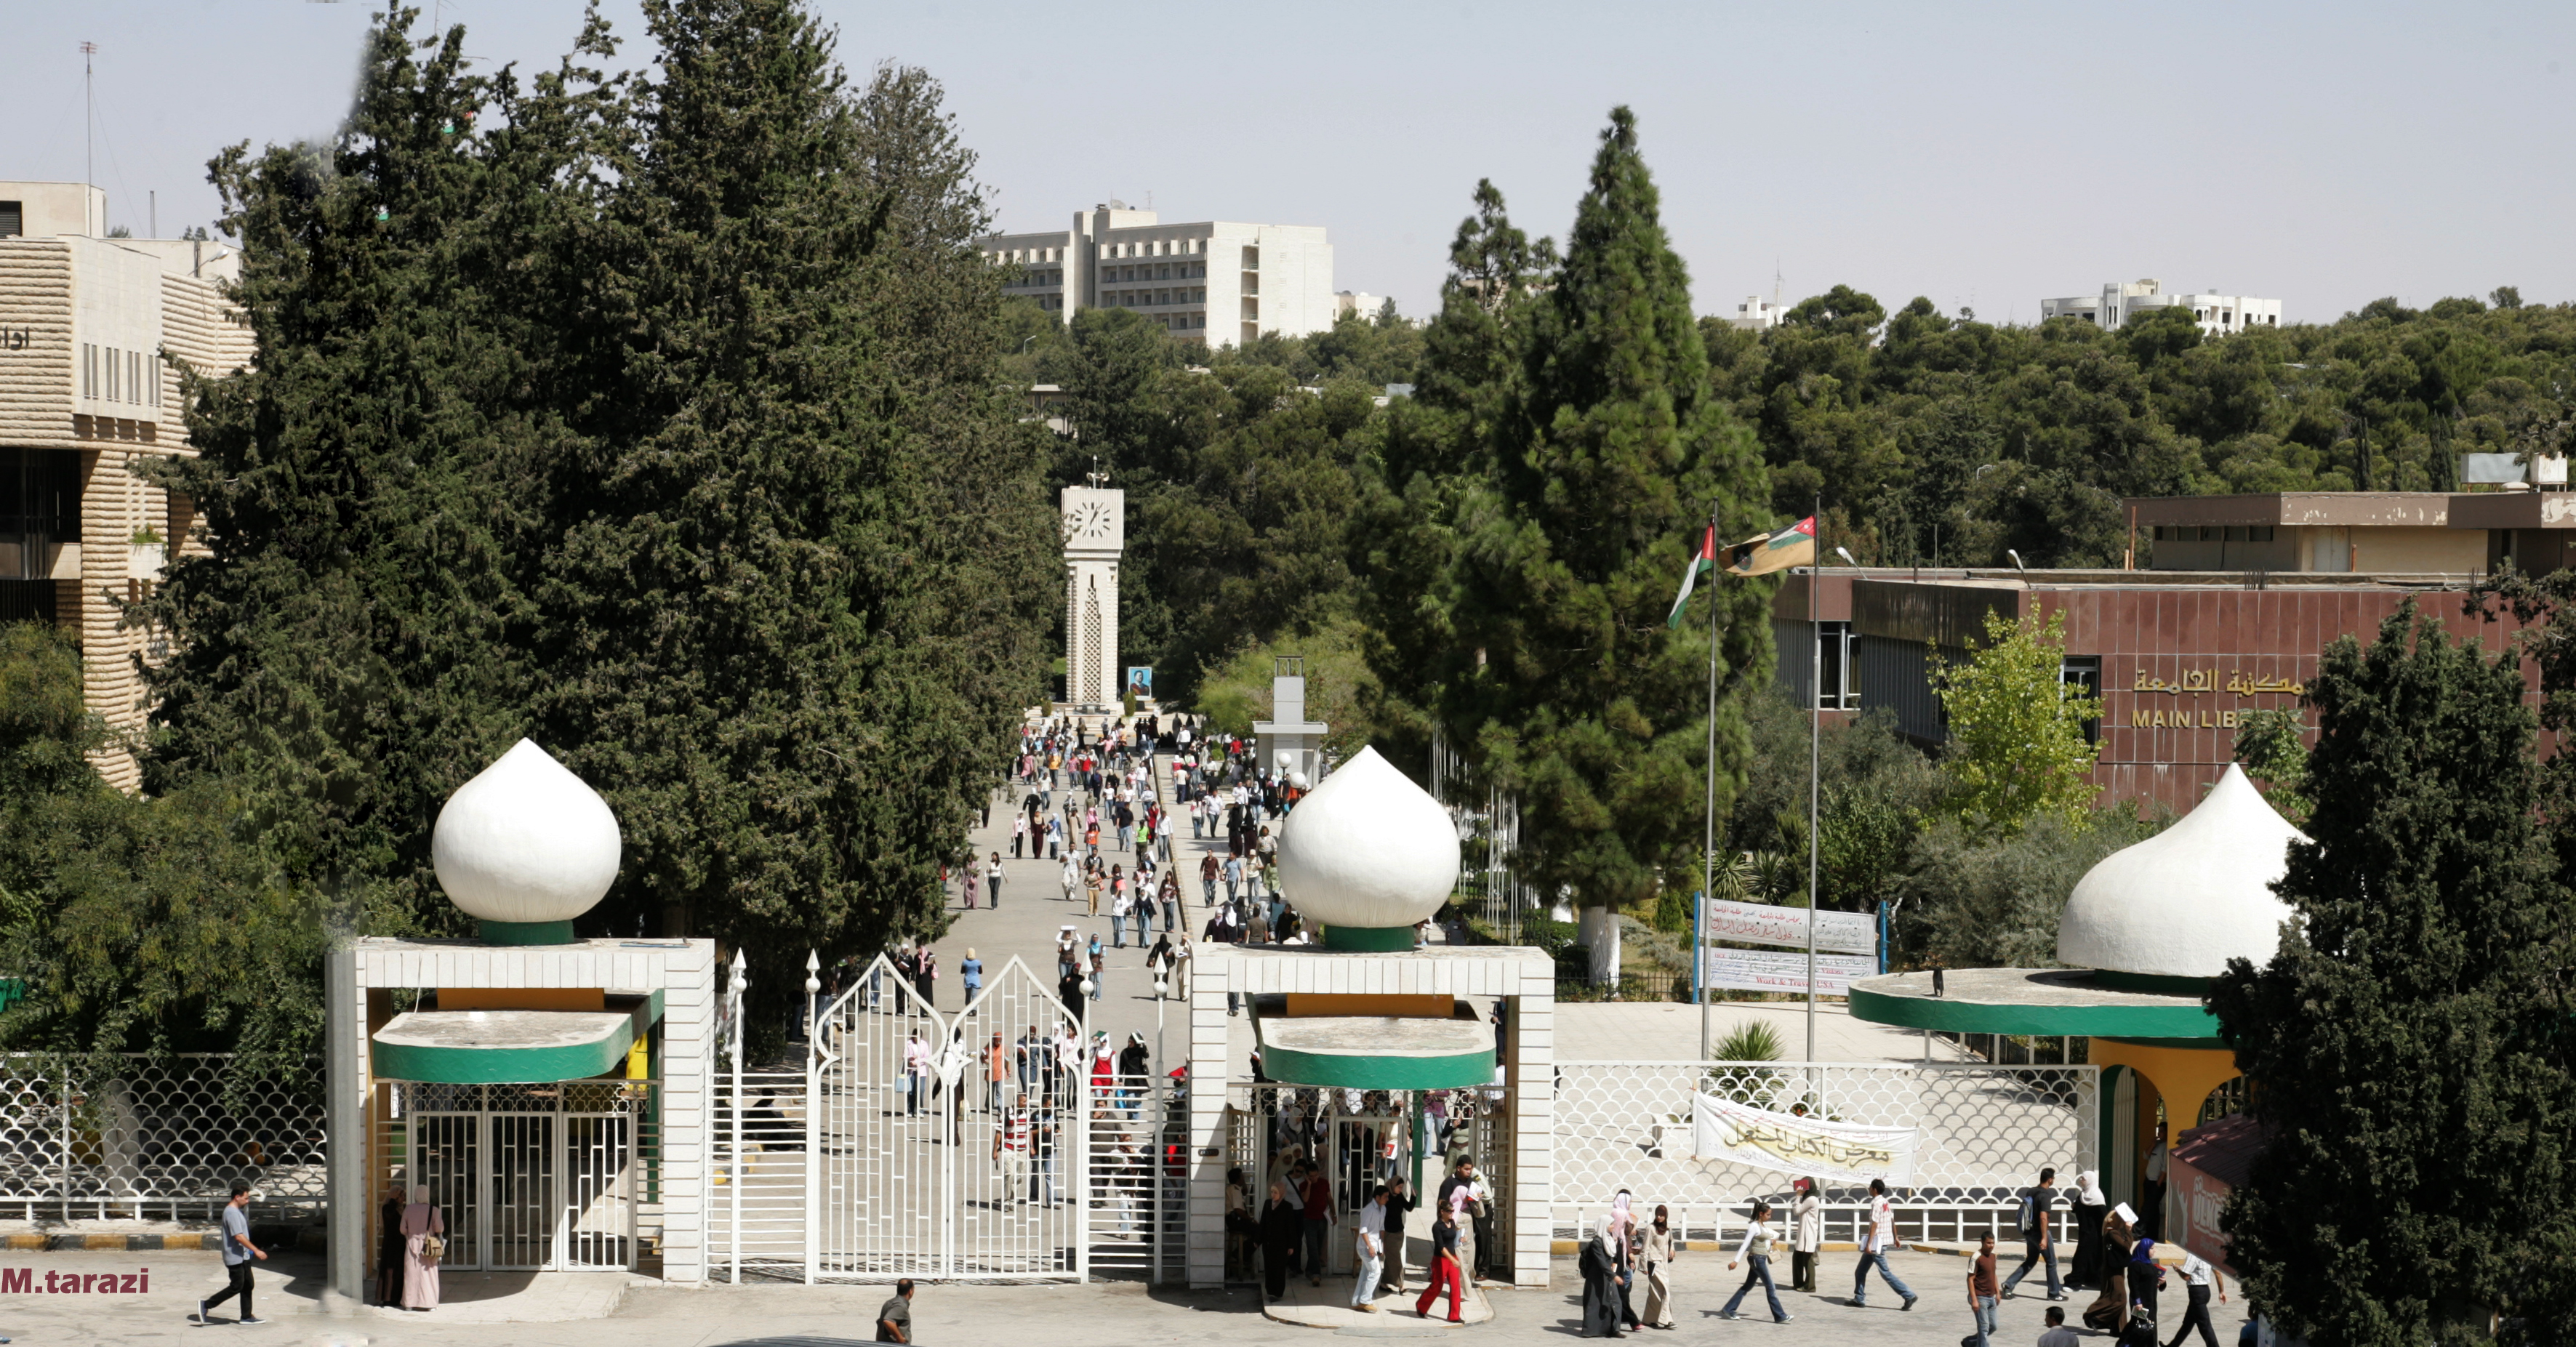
(1874, 1244)
(1371, 1248)
(2197, 1275)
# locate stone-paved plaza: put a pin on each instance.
(1110, 1314)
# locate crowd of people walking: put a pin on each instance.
(1627, 1265)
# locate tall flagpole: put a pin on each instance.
(1815, 750)
(1708, 844)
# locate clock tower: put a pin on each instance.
(1095, 532)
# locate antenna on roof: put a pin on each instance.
(89, 122)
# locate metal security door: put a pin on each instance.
(524, 1214)
(598, 1187)
(446, 1149)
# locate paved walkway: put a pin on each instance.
(1117, 1314)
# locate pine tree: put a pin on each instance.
(2407, 1042)
(1607, 458)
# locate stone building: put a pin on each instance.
(1216, 281)
(93, 334)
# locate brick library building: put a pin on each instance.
(2178, 655)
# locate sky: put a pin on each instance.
(1982, 155)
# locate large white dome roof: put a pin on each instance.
(1368, 848)
(2185, 901)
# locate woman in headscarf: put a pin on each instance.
(421, 1220)
(1656, 1243)
(389, 1247)
(1623, 1210)
(1283, 1223)
(2109, 1312)
(1806, 1235)
(1601, 1299)
(2091, 1205)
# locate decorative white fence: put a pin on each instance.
(1986, 1133)
(165, 1138)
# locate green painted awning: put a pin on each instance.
(1373, 1052)
(2047, 1002)
(497, 1047)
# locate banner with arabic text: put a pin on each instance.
(1767, 970)
(1723, 1129)
(1763, 924)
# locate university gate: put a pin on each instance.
(974, 1145)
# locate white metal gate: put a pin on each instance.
(533, 1178)
(914, 1144)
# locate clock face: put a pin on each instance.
(1091, 519)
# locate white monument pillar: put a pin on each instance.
(1095, 532)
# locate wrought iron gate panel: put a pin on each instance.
(598, 1188)
(445, 1151)
(522, 1212)
(918, 1165)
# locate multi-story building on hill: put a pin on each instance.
(92, 332)
(1216, 281)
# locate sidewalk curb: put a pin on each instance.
(210, 1243)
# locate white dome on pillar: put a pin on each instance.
(1368, 849)
(526, 844)
(2185, 901)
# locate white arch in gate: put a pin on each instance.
(916, 1164)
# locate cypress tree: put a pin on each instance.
(347, 653)
(2407, 1041)
(788, 613)
(1607, 457)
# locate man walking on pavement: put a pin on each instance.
(894, 1318)
(1982, 1292)
(2039, 1235)
(238, 1252)
(1874, 1245)
(1371, 1250)
(2196, 1277)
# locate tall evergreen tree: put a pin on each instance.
(2408, 1040)
(351, 650)
(787, 613)
(1607, 456)
(1438, 445)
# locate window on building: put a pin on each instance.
(2084, 672)
(2259, 533)
(13, 219)
(1837, 676)
(39, 510)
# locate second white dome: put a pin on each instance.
(1368, 848)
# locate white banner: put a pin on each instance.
(1763, 924)
(1725, 1130)
(1766, 970)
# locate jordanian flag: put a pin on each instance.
(1702, 562)
(1758, 555)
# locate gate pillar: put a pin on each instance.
(1210, 1072)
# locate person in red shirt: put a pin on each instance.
(1983, 1290)
(1319, 1223)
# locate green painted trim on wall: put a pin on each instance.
(1369, 939)
(2155, 984)
(2183, 1020)
(504, 1066)
(525, 932)
(1462, 1071)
